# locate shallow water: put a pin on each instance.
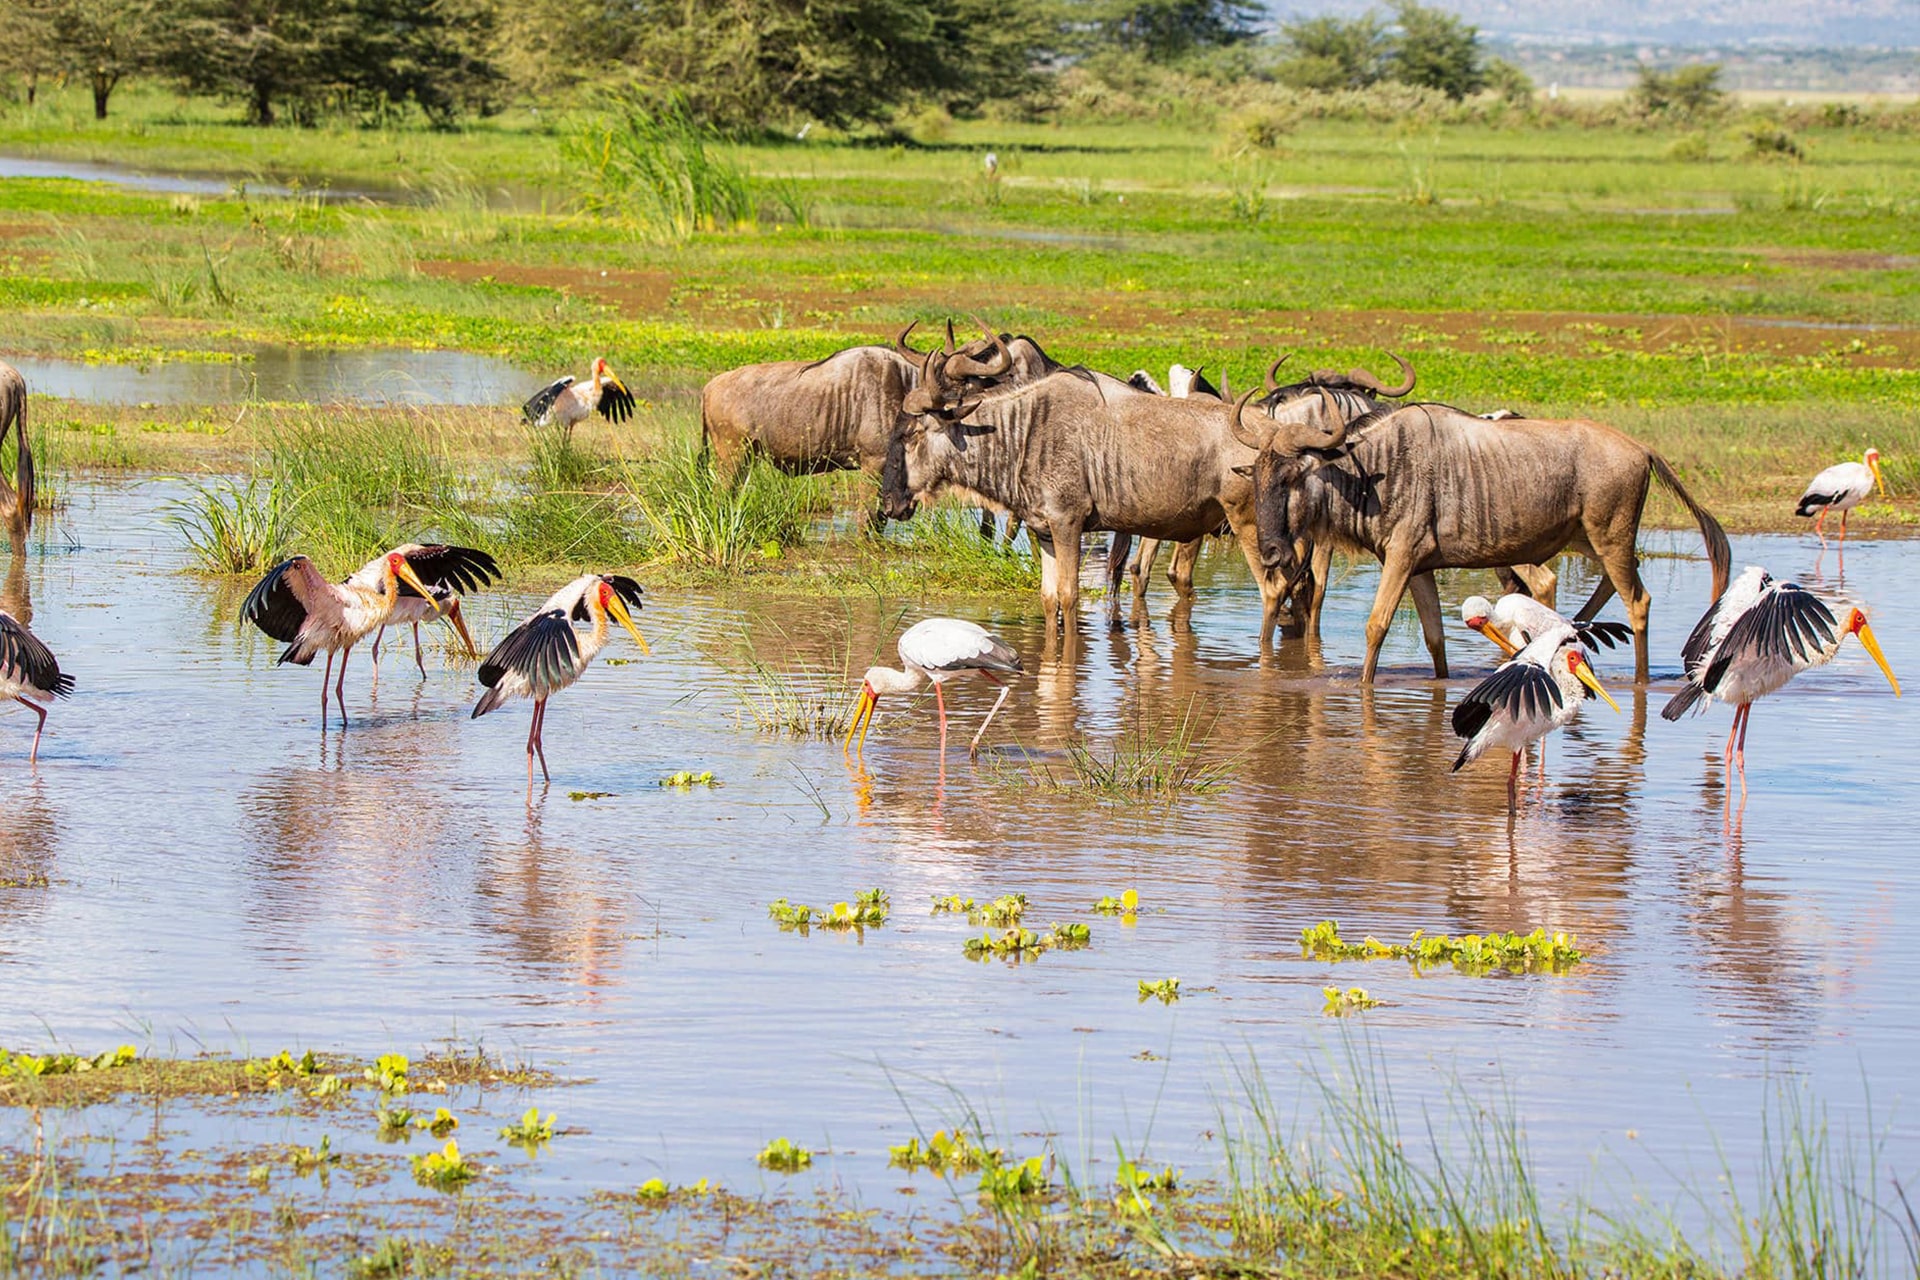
(283, 373)
(223, 872)
(181, 183)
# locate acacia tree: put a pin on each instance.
(1164, 30)
(1436, 49)
(1329, 53)
(26, 36)
(98, 41)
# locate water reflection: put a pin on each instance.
(284, 373)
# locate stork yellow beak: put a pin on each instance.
(1879, 479)
(1872, 647)
(459, 624)
(1491, 632)
(1588, 679)
(614, 379)
(405, 573)
(618, 608)
(862, 720)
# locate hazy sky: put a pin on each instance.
(1830, 22)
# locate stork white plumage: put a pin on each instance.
(446, 571)
(29, 674)
(296, 605)
(1841, 487)
(1525, 699)
(935, 651)
(1514, 621)
(546, 654)
(564, 401)
(1757, 636)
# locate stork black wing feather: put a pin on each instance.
(616, 402)
(1521, 689)
(1605, 634)
(458, 568)
(1784, 624)
(629, 591)
(272, 606)
(24, 658)
(543, 399)
(543, 649)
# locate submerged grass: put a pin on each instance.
(236, 527)
(1141, 764)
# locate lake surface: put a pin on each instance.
(214, 185)
(221, 872)
(317, 375)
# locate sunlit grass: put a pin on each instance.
(236, 527)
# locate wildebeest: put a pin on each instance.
(16, 499)
(1078, 451)
(1427, 487)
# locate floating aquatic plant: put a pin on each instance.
(395, 1122)
(1003, 911)
(445, 1169)
(953, 1152)
(441, 1123)
(867, 910)
(1013, 944)
(27, 1065)
(1018, 1180)
(1165, 990)
(1069, 937)
(658, 1191)
(687, 779)
(1127, 904)
(530, 1131)
(1340, 1002)
(284, 1063)
(388, 1073)
(951, 904)
(1470, 953)
(305, 1160)
(783, 1156)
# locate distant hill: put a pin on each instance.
(1801, 23)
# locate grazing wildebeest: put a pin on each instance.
(16, 499)
(1078, 451)
(1427, 487)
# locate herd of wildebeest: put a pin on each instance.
(1293, 472)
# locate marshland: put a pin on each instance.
(1103, 1001)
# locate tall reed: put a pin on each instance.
(657, 165)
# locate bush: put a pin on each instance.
(1260, 127)
(1768, 141)
(1690, 148)
(654, 164)
(1689, 93)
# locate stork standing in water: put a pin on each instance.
(545, 654)
(933, 652)
(1514, 621)
(297, 606)
(446, 570)
(1841, 487)
(29, 674)
(1757, 636)
(1527, 698)
(565, 401)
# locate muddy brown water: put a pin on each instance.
(220, 871)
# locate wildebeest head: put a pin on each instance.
(951, 379)
(1285, 440)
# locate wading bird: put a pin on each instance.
(29, 674)
(1536, 692)
(933, 652)
(297, 606)
(544, 654)
(1756, 637)
(565, 401)
(1841, 487)
(446, 571)
(1514, 621)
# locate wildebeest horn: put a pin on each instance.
(1256, 441)
(1361, 378)
(949, 350)
(1274, 368)
(900, 340)
(965, 366)
(1226, 389)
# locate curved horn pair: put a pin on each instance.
(1335, 431)
(965, 366)
(1255, 439)
(1361, 378)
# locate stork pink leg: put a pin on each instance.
(536, 742)
(1513, 784)
(940, 701)
(1740, 752)
(377, 637)
(973, 748)
(340, 685)
(325, 680)
(1819, 527)
(417, 659)
(33, 756)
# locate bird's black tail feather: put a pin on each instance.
(1681, 702)
(488, 701)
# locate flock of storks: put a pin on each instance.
(1758, 635)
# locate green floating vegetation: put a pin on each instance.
(30, 1066)
(659, 1192)
(1341, 1002)
(388, 1073)
(1165, 990)
(440, 1124)
(530, 1131)
(1015, 944)
(945, 1153)
(782, 1156)
(867, 910)
(1471, 953)
(1002, 912)
(1020, 1180)
(445, 1169)
(687, 780)
(1127, 904)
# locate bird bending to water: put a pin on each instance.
(1536, 692)
(545, 654)
(1514, 621)
(1841, 487)
(1757, 636)
(933, 652)
(565, 401)
(297, 606)
(446, 570)
(29, 674)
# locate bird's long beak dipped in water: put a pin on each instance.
(862, 720)
(452, 615)
(1579, 666)
(1858, 625)
(618, 608)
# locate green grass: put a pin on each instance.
(236, 527)
(1142, 763)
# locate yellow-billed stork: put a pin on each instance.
(1526, 698)
(29, 674)
(1514, 621)
(447, 571)
(545, 654)
(935, 651)
(1757, 636)
(296, 605)
(1841, 487)
(565, 401)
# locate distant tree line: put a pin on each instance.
(741, 65)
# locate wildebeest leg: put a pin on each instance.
(1322, 574)
(1426, 601)
(1623, 574)
(1271, 584)
(1066, 575)
(1180, 572)
(1137, 570)
(1542, 583)
(1395, 570)
(1117, 546)
(1049, 579)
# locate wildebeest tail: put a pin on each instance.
(1681, 702)
(1719, 553)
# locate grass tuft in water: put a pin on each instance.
(693, 516)
(1138, 765)
(234, 527)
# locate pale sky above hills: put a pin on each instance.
(1797, 22)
